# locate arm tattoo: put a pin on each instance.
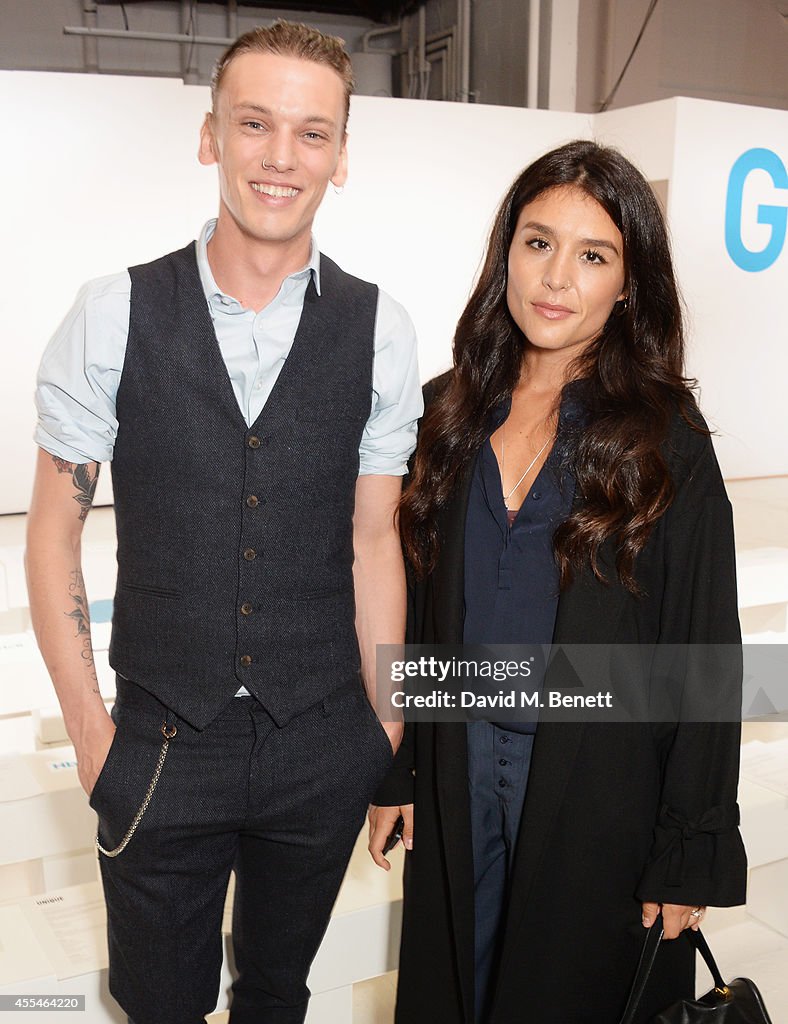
(81, 613)
(80, 616)
(84, 480)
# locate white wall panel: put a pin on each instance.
(645, 134)
(739, 318)
(101, 173)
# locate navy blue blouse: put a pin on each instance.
(511, 576)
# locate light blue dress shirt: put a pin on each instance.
(81, 368)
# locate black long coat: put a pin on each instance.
(614, 813)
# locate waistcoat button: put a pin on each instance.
(254, 442)
(246, 660)
(252, 501)
(246, 608)
(250, 554)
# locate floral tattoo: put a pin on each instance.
(84, 479)
(80, 616)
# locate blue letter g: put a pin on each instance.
(777, 216)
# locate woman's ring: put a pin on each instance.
(697, 912)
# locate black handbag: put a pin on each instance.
(737, 1002)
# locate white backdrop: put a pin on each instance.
(101, 173)
(739, 319)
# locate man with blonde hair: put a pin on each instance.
(258, 406)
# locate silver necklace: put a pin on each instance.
(530, 466)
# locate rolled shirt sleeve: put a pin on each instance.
(80, 372)
(390, 433)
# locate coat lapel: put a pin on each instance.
(448, 579)
(451, 749)
(588, 613)
(451, 755)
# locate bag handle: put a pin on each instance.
(648, 955)
(698, 941)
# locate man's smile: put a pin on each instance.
(277, 191)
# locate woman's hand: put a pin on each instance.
(675, 917)
(381, 823)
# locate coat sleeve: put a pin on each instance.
(697, 856)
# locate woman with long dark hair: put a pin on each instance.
(564, 491)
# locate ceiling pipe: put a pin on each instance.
(424, 67)
(440, 48)
(404, 41)
(464, 32)
(373, 33)
(154, 37)
(232, 18)
(189, 71)
(413, 76)
(446, 39)
(419, 61)
(90, 46)
(533, 54)
(367, 48)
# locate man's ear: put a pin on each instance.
(339, 177)
(206, 152)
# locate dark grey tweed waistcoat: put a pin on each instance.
(235, 544)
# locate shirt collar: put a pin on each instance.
(216, 296)
(572, 409)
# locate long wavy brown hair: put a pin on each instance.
(631, 378)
